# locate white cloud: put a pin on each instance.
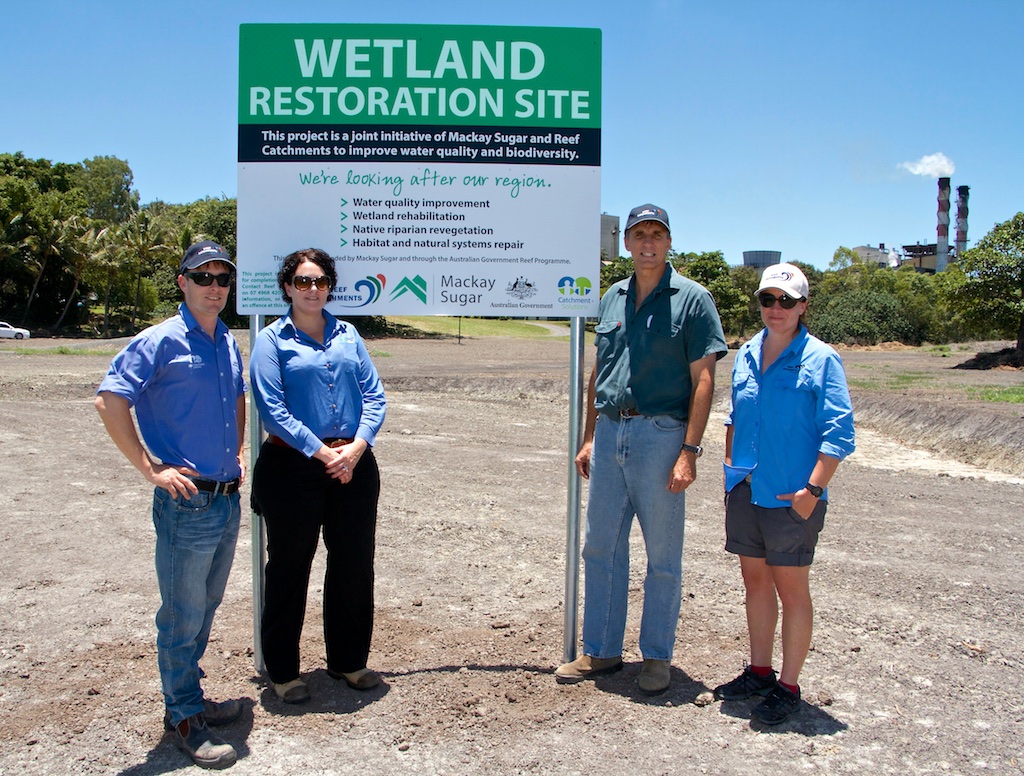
(933, 166)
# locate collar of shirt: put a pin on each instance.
(332, 329)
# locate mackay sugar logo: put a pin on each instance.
(416, 286)
(521, 288)
(367, 291)
(574, 287)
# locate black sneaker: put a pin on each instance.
(746, 684)
(779, 706)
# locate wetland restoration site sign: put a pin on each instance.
(449, 170)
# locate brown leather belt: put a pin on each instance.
(631, 413)
(329, 441)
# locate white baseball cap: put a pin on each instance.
(785, 277)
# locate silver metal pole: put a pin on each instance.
(572, 522)
(258, 541)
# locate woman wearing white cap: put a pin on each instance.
(791, 424)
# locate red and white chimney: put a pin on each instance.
(942, 230)
(962, 193)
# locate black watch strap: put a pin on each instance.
(697, 450)
(814, 490)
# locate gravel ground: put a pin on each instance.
(918, 655)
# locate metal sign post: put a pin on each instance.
(572, 520)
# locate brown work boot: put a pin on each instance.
(654, 677)
(585, 667)
(205, 749)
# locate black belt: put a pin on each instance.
(630, 413)
(216, 488)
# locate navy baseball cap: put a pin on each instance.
(647, 212)
(202, 252)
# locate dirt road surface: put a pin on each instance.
(918, 656)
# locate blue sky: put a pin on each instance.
(757, 125)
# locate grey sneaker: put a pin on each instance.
(223, 713)
(746, 684)
(205, 749)
(779, 706)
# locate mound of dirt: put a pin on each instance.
(1008, 358)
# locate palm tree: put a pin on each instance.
(55, 233)
(142, 238)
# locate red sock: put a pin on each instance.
(761, 670)
(793, 688)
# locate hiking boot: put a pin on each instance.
(294, 691)
(746, 684)
(223, 713)
(585, 666)
(779, 706)
(205, 749)
(654, 677)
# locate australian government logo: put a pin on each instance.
(521, 290)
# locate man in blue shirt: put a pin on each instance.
(648, 402)
(184, 379)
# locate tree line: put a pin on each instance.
(78, 253)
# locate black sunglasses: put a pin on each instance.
(207, 278)
(305, 282)
(786, 302)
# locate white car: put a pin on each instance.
(13, 332)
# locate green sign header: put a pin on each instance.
(419, 74)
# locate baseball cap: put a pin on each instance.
(202, 252)
(647, 212)
(785, 277)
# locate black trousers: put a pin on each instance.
(297, 500)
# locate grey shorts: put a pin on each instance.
(780, 535)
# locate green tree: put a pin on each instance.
(710, 270)
(55, 233)
(990, 292)
(746, 280)
(107, 184)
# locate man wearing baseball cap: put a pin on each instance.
(648, 402)
(184, 379)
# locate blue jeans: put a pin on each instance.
(630, 466)
(195, 545)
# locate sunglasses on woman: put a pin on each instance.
(305, 282)
(786, 302)
(207, 278)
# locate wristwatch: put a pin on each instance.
(814, 490)
(697, 450)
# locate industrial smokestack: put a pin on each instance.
(942, 243)
(962, 193)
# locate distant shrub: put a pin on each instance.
(864, 318)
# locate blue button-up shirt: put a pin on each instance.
(184, 386)
(783, 418)
(307, 392)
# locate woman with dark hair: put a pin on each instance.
(790, 426)
(322, 403)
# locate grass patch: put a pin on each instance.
(893, 381)
(64, 350)
(475, 327)
(1014, 394)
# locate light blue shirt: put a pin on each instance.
(184, 386)
(783, 418)
(307, 392)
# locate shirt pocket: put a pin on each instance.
(604, 337)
